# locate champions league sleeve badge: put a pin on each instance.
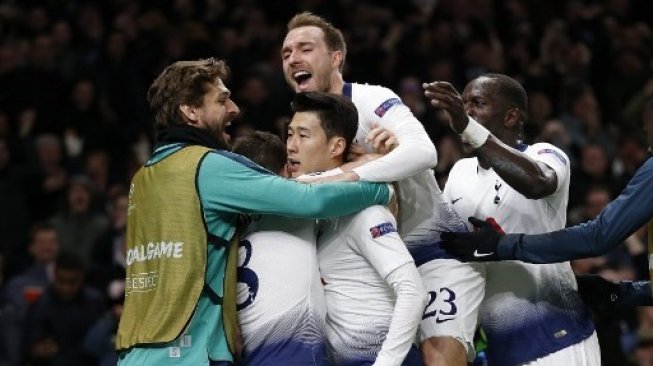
(382, 229)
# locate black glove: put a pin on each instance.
(597, 292)
(478, 246)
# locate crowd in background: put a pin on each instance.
(75, 125)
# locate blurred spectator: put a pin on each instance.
(257, 107)
(26, 288)
(79, 226)
(99, 342)
(582, 119)
(594, 170)
(49, 177)
(58, 321)
(14, 209)
(109, 250)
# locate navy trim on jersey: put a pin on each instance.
(425, 253)
(243, 160)
(521, 147)
(291, 352)
(346, 90)
(548, 332)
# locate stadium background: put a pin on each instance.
(74, 122)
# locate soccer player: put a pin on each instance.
(373, 291)
(531, 314)
(623, 216)
(313, 56)
(281, 309)
(183, 207)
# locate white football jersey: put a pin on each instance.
(281, 308)
(356, 253)
(409, 163)
(530, 310)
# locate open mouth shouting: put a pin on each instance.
(302, 79)
(226, 132)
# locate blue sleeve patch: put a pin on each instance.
(382, 229)
(385, 106)
(555, 153)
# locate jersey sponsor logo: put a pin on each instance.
(382, 229)
(385, 106)
(554, 153)
(155, 250)
(141, 282)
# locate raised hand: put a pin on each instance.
(443, 95)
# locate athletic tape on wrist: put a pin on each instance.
(475, 134)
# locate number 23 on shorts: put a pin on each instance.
(447, 309)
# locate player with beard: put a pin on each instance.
(313, 56)
(181, 222)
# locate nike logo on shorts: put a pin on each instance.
(456, 200)
(481, 255)
(440, 321)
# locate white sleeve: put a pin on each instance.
(415, 152)
(377, 240)
(555, 159)
(409, 306)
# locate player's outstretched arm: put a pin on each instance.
(247, 188)
(632, 209)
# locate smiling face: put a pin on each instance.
(308, 64)
(215, 114)
(308, 148)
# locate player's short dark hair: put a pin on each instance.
(184, 82)
(513, 93)
(332, 35)
(263, 148)
(338, 115)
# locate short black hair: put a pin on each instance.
(338, 115)
(513, 92)
(263, 148)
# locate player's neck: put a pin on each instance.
(337, 83)
(333, 163)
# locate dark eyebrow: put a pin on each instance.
(301, 129)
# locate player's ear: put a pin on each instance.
(189, 113)
(337, 146)
(336, 59)
(511, 118)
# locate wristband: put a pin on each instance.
(475, 134)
